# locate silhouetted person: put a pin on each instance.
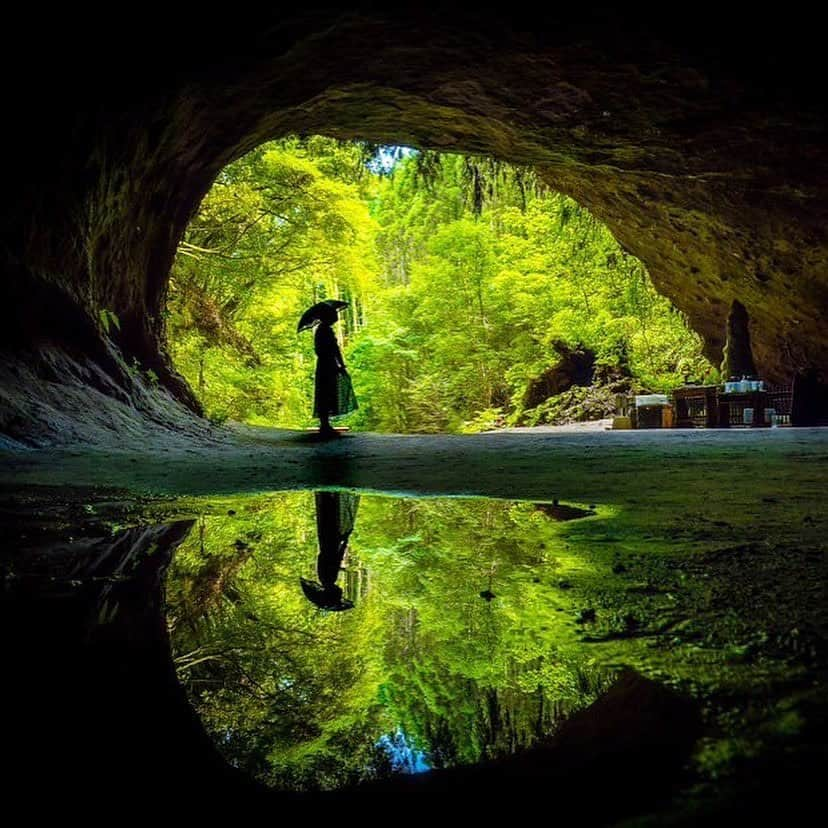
(333, 393)
(335, 516)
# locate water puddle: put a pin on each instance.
(330, 638)
(313, 641)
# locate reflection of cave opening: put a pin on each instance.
(190, 650)
(478, 297)
(418, 674)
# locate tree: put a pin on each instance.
(463, 275)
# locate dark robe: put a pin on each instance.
(333, 392)
(335, 516)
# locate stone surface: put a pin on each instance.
(699, 142)
(572, 366)
(738, 356)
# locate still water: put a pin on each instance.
(306, 642)
(330, 638)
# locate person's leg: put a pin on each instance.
(325, 426)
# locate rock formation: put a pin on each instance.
(701, 145)
(738, 357)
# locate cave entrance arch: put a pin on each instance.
(705, 156)
(479, 284)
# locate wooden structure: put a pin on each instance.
(696, 406)
(648, 410)
(780, 399)
(649, 416)
(710, 406)
(732, 409)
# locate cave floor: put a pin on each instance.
(678, 469)
(715, 544)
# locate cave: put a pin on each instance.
(700, 143)
(690, 563)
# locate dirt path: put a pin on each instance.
(673, 468)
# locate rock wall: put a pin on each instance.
(700, 143)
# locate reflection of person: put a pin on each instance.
(335, 516)
(333, 392)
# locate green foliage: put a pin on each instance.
(484, 271)
(284, 227)
(577, 404)
(486, 420)
(301, 698)
(108, 320)
(462, 273)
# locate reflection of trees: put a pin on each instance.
(473, 678)
(265, 675)
(301, 698)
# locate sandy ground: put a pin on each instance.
(577, 428)
(581, 464)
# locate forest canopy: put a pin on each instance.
(479, 297)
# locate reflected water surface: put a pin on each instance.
(313, 641)
(330, 638)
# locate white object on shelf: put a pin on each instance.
(651, 399)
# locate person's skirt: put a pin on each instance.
(333, 393)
